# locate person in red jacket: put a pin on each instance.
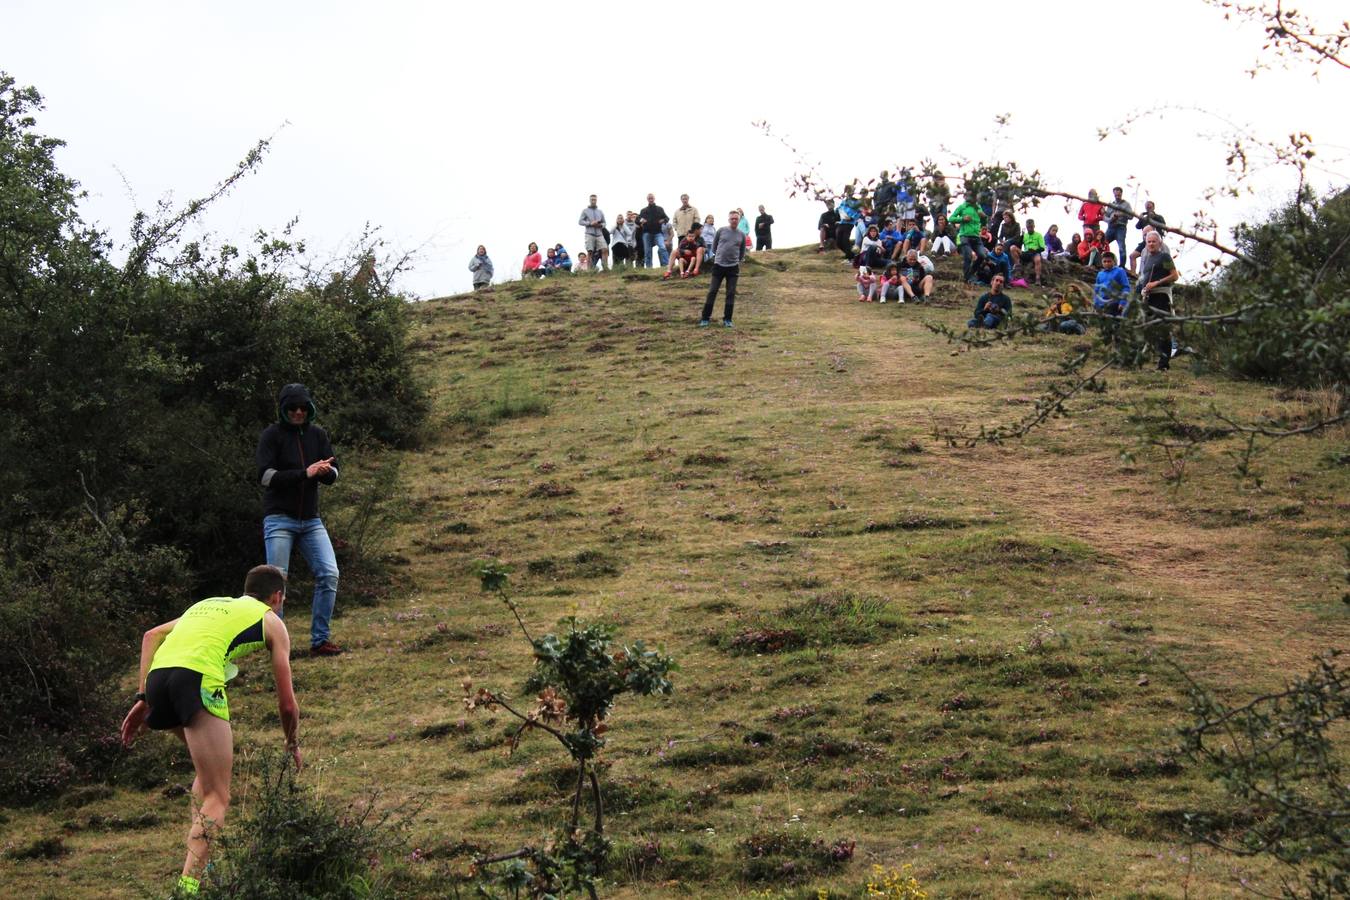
(1090, 213)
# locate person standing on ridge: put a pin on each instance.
(593, 221)
(1118, 216)
(966, 218)
(481, 267)
(686, 217)
(294, 457)
(650, 220)
(828, 221)
(185, 664)
(763, 230)
(727, 251)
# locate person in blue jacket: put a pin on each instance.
(993, 308)
(1111, 292)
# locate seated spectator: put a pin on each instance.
(993, 308)
(916, 276)
(1111, 292)
(891, 239)
(890, 287)
(688, 257)
(1098, 248)
(1010, 236)
(583, 262)
(871, 251)
(915, 239)
(1071, 251)
(530, 268)
(550, 264)
(564, 261)
(867, 285)
(1057, 317)
(1087, 246)
(1054, 247)
(1033, 250)
(944, 237)
(996, 263)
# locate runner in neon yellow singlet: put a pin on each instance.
(182, 689)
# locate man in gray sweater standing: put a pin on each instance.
(727, 251)
(597, 243)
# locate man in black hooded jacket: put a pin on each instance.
(294, 457)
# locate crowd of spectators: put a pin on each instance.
(887, 237)
(891, 235)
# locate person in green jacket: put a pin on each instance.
(967, 218)
(1033, 251)
(185, 664)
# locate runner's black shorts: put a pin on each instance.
(174, 695)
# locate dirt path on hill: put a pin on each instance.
(1224, 574)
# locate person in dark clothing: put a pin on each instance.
(883, 198)
(829, 220)
(1157, 272)
(763, 232)
(1149, 220)
(650, 220)
(293, 458)
(728, 250)
(993, 308)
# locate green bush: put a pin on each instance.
(134, 394)
(1298, 283)
(286, 842)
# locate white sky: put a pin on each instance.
(450, 125)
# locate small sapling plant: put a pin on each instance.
(577, 677)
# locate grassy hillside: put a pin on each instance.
(958, 658)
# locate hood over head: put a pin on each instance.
(295, 393)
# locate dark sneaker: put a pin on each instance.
(726, 323)
(327, 648)
(703, 323)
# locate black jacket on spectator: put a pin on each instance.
(285, 451)
(654, 215)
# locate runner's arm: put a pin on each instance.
(134, 723)
(150, 642)
(279, 645)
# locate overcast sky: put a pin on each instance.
(449, 125)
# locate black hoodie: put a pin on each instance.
(285, 451)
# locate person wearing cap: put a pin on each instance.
(293, 458)
(185, 664)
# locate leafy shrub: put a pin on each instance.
(285, 842)
(134, 393)
(1297, 331)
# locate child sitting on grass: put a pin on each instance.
(867, 285)
(892, 286)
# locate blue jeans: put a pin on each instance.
(279, 534)
(972, 248)
(1117, 233)
(660, 241)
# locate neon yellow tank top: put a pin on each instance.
(212, 633)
